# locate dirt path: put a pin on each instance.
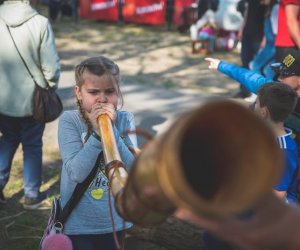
(145, 54)
(158, 64)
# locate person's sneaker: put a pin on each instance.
(2, 197)
(35, 203)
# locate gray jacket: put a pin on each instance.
(34, 38)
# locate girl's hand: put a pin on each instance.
(110, 110)
(100, 109)
(213, 63)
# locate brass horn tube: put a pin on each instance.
(217, 160)
(117, 174)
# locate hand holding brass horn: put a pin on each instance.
(115, 169)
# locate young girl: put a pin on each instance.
(97, 91)
(204, 31)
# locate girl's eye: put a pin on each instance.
(110, 91)
(93, 92)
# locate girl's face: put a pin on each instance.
(101, 89)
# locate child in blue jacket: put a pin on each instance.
(287, 71)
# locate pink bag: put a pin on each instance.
(53, 238)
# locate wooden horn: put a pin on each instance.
(217, 160)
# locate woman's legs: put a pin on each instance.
(9, 142)
(31, 139)
(264, 57)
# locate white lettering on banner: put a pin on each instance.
(148, 9)
(102, 6)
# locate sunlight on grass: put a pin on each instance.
(19, 228)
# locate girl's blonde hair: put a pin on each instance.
(100, 66)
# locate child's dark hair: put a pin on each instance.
(279, 98)
(100, 66)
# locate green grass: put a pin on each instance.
(19, 228)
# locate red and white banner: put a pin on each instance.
(179, 6)
(136, 11)
(145, 11)
(99, 9)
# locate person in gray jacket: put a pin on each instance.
(34, 38)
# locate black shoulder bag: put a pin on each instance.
(58, 216)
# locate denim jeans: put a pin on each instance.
(265, 56)
(250, 46)
(28, 132)
(263, 59)
(210, 38)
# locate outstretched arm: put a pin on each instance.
(246, 77)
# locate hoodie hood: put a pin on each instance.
(15, 13)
